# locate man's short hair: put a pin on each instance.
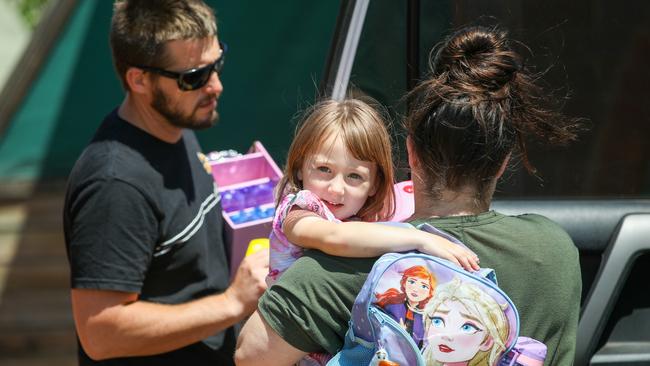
(141, 28)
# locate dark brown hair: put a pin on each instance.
(479, 104)
(364, 132)
(141, 28)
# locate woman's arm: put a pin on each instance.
(363, 239)
(259, 344)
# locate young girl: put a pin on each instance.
(339, 177)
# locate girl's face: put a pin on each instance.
(455, 335)
(341, 181)
(417, 289)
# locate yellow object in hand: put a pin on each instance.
(256, 245)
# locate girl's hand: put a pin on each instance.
(443, 248)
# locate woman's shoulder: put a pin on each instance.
(534, 220)
(539, 226)
(530, 219)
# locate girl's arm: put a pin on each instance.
(363, 239)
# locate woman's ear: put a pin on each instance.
(412, 157)
(503, 166)
(137, 80)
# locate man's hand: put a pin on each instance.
(114, 324)
(249, 282)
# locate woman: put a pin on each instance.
(475, 113)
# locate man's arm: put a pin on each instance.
(116, 324)
(259, 344)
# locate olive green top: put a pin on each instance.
(535, 260)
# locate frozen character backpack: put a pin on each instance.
(416, 309)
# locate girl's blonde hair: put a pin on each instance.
(363, 130)
(481, 305)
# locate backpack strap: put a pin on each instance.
(432, 230)
(487, 273)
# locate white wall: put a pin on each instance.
(14, 36)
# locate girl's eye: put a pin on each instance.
(469, 328)
(323, 169)
(437, 322)
(410, 281)
(355, 176)
(424, 286)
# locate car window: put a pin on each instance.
(594, 52)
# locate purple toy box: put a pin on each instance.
(246, 185)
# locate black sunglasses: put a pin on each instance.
(194, 78)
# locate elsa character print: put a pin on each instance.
(464, 326)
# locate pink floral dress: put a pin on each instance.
(283, 252)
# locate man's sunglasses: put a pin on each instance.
(194, 78)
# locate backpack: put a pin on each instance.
(416, 309)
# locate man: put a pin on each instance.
(142, 217)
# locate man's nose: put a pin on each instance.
(214, 84)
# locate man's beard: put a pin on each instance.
(176, 118)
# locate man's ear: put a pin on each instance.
(487, 344)
(137, 80)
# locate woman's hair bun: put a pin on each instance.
(477, 56)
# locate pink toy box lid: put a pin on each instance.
(254, 168)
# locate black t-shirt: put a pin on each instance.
(143, 216)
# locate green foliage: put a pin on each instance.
(30, 10)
